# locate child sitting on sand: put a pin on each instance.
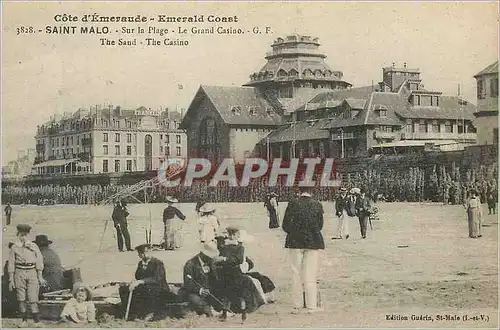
(80, 308)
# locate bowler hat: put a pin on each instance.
(42, 240)
(23, 228)
(142, 248)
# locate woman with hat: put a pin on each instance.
(52, 269)
(25, 273)
(271, 205)
(474, 215)
(208, 223)
(172, 225)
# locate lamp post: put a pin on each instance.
(342, 141)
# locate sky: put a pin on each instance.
(44, 74)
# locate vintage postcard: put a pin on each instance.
(249, 164)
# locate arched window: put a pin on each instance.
(209, 140)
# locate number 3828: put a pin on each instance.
(25, 30)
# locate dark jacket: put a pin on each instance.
(52, 269)
(154, 274)
(303, 222)
(364, 206)
(170, 212)
(119, 215)
(194, 268)
(341, 204)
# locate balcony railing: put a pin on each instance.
(40, 147)
(344, 136)
(438, 136)
(384, 135)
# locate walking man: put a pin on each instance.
(172, 226)
(25, 273)
(8, 213)
(363, 210)
(303, 222)
(342, 207)
(119, 216)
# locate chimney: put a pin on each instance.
(404, 65)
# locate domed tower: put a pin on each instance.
(294, 64)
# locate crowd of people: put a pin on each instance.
(220, 279)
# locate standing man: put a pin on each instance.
(303, 222)
(342, 207)
(25, 273)
(8, 213)
(172, 226)
(363, 210)
(119, 216)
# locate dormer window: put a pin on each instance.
(235, 110)
(252, 111)
(269, 111)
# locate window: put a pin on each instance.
(435, 128)
(480, 89)
(117, 166)
(437, 101)
(117, 150)
(178, 151)
(105, 165)
(52, 143)
(116, 123)
(178, 139)
(167, 151)
(460, 128)
(67, 140)
(105, 150)
(161, 149)
(168, 125)
(129, 138)
(382, 113)
(494, 87)
(386, 129)
(57, 153)
(71, 140)
(57, 142)
(129, 165)
(161, 136)
(422, 128)
(129, 150)
(418, 100)
(104, 123)
(448, 128)
(104, 137)
(167, 138)
(62, 142)
(128, 124)
(117, 137)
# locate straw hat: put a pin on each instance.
(355, 191)
(171, 199)
(207, 208)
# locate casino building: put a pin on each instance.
(108, 140)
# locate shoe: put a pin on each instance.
(23, 324)
(479, 236)
(121, 251)
(363, 237)
(346, 236)
(38, 325)
(297, 310)
(130, 249)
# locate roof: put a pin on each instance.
(224, 99)
(304, 130)
(391, 102)
(356, 103)
(56, 162)
(414, 143)
(300, 96)
(327, 98)
(449, 108)
(490, 69)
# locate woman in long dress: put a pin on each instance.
(271, 204)
(208, 223)
(172, 218)
(474, 215)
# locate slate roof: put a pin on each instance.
(449, 108)
(224, 98)
(334, 98)
(389, 101)
(300, 96)
(304, 130)
(490, 69)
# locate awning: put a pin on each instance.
(56, 162)
(83, 164)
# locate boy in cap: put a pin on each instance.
(25, 272)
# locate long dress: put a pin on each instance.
(208, 227)
(474, 215)
(233, 284)
(272, 208)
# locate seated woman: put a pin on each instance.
(238, 289)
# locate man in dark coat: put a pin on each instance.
(150, 291)
(303, 222)
(172, 225)
(200, 281)
(364, 208)
(119, 217)
(52, 269)
(342, 206)
(8, 214)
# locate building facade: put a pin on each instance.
(228, 122)
(108, 140)
(396, 116)
(487, 105)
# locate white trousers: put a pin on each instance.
(343, 225)
(304, 264)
